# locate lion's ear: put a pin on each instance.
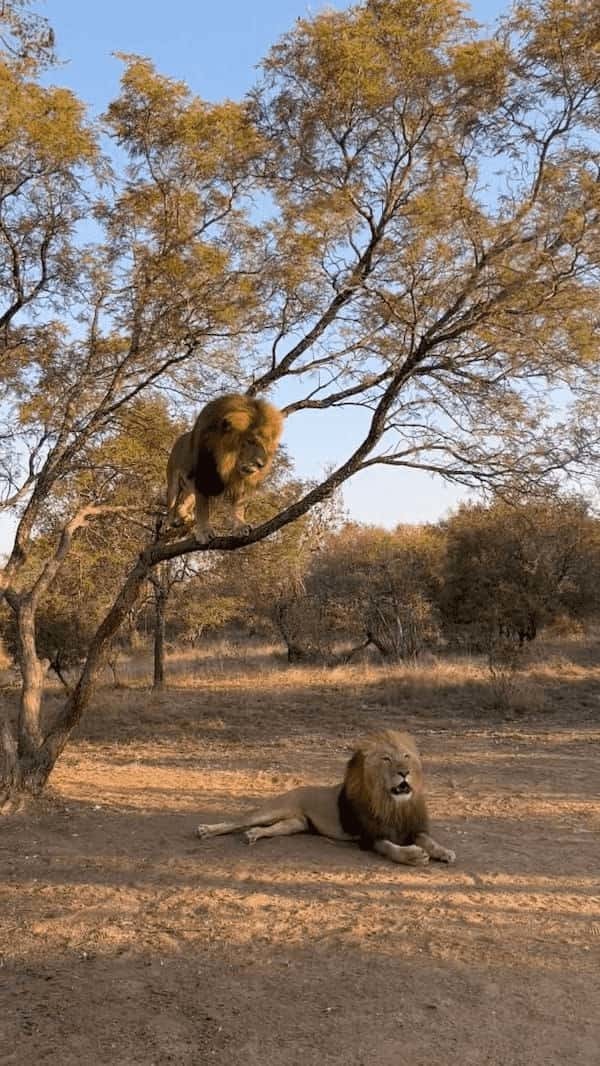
(356, 761)
(236, 421)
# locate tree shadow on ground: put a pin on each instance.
(291, 1006)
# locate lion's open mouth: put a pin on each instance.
(402, 789)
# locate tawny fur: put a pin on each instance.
(228, 453)
(380, 804)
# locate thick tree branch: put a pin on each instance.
(55, 561)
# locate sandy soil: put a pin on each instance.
(125, 941)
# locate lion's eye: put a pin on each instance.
(385, 758)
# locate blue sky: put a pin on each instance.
(215, 47)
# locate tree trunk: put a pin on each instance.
(21, 760)
(33, 672)
(9, 765)
(160, 604)
(27, 760)
(112, 661)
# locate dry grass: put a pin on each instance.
(555, 673)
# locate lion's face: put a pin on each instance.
(390, 767)
(397, 773)
(246, 438)
(252, 457)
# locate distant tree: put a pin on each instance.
(198, 604)
(371, 586)
(162, 580)
(380, 272)
(510, 569)
(267, 576)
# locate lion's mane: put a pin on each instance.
(225, 430)
(366, 809)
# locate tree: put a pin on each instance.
(510, 569)
(265, 575)
(128, 464)
(161, 581)
(141, 301)
(371, 586)
(178, 588)
(385, 274)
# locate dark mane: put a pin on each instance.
(400, 823)
(207, 479)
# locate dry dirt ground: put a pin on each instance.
(125, 941)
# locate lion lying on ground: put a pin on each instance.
(380, 805)
(227, 453)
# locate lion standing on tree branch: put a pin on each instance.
(227, 454)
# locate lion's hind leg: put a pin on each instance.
(180, 502)
(265, 816)
(218, 829)
(285, 828)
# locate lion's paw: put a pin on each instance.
(416, 856)
(203, 831)
(252, 835)
(205, 535)
(172, 531)
(446, 855)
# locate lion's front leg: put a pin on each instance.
(409, 855)
(184, 512)
(203, 530)
(238, 516)
(433, 849)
